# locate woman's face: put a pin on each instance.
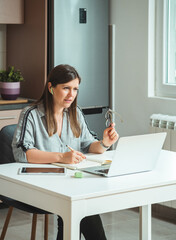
(64, 94)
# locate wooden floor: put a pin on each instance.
(121, 225)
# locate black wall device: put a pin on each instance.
(82, 15)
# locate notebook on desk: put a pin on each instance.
(133, 154)
(91, 160)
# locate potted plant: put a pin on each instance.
(10, 83)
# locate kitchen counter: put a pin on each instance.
(15, 104)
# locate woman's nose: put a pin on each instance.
(70, 93)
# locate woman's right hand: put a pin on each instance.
(72, 157)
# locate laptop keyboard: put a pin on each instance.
(103, 170)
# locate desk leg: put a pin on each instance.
(71, 229)
(145, 222)
(72, 217)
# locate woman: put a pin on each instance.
(53, 122)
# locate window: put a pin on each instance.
(171, 42)
(165, 48)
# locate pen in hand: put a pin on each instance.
(79, 153)
(71, 149)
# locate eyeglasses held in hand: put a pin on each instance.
(109, 117)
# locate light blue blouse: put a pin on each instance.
(31, 133)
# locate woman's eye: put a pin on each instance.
(74, 89)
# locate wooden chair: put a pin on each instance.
(6, 156)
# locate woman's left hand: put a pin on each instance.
(110, 136)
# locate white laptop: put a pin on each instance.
(133, 154)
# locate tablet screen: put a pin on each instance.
(40, 170)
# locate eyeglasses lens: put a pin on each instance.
(108, 117)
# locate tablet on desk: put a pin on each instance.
(42, 170)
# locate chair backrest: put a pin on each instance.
(6, 136)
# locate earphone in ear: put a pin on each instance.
(51, 90)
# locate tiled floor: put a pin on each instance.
(121, 225)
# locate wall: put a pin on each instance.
(2, 46)
(131, 68)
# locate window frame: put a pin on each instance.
(162, 89)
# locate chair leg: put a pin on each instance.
(46, 227)
(4, 230)
(34, 224)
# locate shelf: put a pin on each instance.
(18, 100)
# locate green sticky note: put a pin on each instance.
(78, 174)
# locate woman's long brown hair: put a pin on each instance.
(59, 75)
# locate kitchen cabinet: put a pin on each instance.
(11, 11)
(9, 117)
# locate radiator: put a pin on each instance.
(165, 123)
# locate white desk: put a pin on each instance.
(73, 198)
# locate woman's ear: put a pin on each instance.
(50, 89)
(49, 85)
